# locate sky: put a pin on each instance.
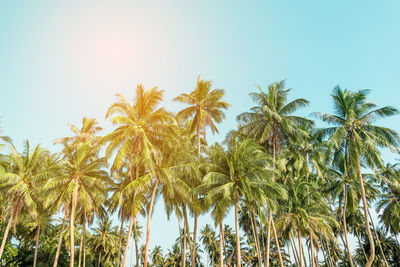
(62, 60)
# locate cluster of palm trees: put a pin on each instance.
(297, 192)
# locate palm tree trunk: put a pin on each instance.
(36, 245)
(294, 249)
(128, 239)
(81, 244)
(198, 136)
(361, 245)
(312, 259)
(255, 234)
(99, 261)
(3, 242)
(120, 237)
(186, 233)
(71, 226)
(345, 226)
(365, 204)
(377, 240)
(146, 249)
(193, 252)
(136, 244)
(300, 246)
(277, 242)
(60, 239)
(269, 236)
(238, 256)
(84, 250)
(221, 248)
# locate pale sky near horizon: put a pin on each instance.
(62, 60)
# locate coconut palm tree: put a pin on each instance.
(354, 133)
(237, 173)
(271, 124)
(206, 107)
(157, 257)
(22, 183)
(141, 127)
(82, 184)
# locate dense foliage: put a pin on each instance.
(297, 192)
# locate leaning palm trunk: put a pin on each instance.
(221, 245)
(36, 245)
(3, 242)
(238, 256)
(128, 239)
(255, 235)
(365, 204)
(277, 242)
(60, 239)
(294, 249)
(71, 226)
(361, 245)
(345, 227)
(378, 241)
(300, 247)
(146, 249)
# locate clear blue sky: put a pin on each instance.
(60, 61)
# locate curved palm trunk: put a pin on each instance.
(71, 227)
(268, 236)
(36, 245)
(365, 204)
(120, 238)
(277, 242)
(146, 249)
(221, 245)
(3, 242)
(377, 240)
(60, 239)
(81, 244)
(193, 251)
(127, 240)
(136, 244)
(238, 256)
(345, 227)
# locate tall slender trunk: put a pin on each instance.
(361, 245)
(120, 237)
(193, 251)
(294, 249)
(300, 247)
(221, 245)
(365, 204)
(99, 261)
(146, 249)
(255, 235)
(238, 256)
(263, 244)
(81, 244)
(269, 236)
(198, 136)
(84, 250)
(378, 240)
(186, 233)
(312, 259)
(128, 238)
(136, 244)
(345, 226)
(36, 245)
(3, 242)
(277, 242)
(71, 226)
(60, 239)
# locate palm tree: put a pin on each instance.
(272, 124)
(206, 109)
(209, 242)
(354, 133)
(157, 257)
(141, 127)
(21, 183)
(83, 183)
(235, 173)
